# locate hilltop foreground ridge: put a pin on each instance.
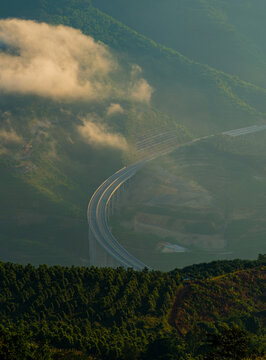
(205, 311)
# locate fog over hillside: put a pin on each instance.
(82, 82)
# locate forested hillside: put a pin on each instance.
(124, 314)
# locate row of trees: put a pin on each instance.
(230, 343)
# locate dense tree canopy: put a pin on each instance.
(110, 313)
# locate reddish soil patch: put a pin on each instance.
(217, 299)
(176, 315)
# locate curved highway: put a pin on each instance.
(98, 206)
(97, 217)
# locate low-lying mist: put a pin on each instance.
(61, 63)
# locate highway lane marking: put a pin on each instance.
(101, 221)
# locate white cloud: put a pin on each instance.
(141, 91)
(114, 109)
(98, 134)
(9, 137)
(54, 61)
(62, 63)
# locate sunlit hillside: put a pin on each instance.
(71, 114)
(80, 313)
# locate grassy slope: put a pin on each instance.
(45, 193)
(226, 35)
(43, 209)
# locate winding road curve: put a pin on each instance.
(98, 213)
(100, 203)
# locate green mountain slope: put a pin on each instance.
(48, 177)
(196, 95)
(228, 35)
(53, 171)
